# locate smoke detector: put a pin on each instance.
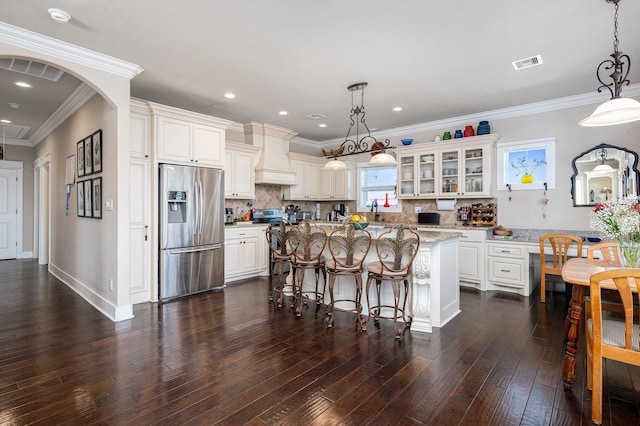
(315, 116)
(59, 15)
(533, 61)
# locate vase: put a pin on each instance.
(629, 253)
(526, 179)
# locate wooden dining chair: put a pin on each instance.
(560, 245)
(608, 254)
(280, 251)
(608, 337)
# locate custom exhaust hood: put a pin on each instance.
(273, 166)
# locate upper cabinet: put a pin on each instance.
(459, 168)
(308, 178)
(339, 184)
(239, 173)
(139, 130)
(187, 137)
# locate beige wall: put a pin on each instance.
(24, 154)
(82, 247)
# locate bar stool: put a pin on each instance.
(348, 249)
(280, 257)
(307, 241)
(396, 249)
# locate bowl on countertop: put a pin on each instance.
(594, 239)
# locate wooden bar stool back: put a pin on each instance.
(348, 248)
(560, 245)
(608, 337)
(281, 256)
(396, 250)
(307, 241)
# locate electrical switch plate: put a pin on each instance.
(418, 209)
(108, 205)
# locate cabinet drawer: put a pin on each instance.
(508, 250)
(241, 233)
(507, 271)
(467, 235)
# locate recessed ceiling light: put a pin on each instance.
(283, 112)
(397, 109)
(322, 125)
(59, 15)
(14, 105)
(22, 84)
(230, 95)
(5, 121)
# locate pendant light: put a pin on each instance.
(602, 154)
(618, 110)
(359, 145)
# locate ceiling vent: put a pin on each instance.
(15, 131)
(533, 61)
(35, 69)
(315, 116)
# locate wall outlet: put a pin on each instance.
(111, 284)
(418, 209)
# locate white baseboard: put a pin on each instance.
(26, 255)
(108, 309)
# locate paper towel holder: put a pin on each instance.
(446, 204)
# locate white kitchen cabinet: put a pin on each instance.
(245, 252)
(139, 130)
(239, 171)
(460, 168)
(472, 254)
(508, 267)
(339, 184)
(308, 178)
(417, 174)
(139, 244)
(185, 137)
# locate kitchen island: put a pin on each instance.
(434, 297)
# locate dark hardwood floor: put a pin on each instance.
(230, 357)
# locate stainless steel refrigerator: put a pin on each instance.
(191, 230)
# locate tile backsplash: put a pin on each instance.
(270, 196)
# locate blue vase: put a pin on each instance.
(458, 134)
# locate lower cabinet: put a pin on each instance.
(508, 267)
(471, 252)
(245, 252)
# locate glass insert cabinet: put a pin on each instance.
(457, 169)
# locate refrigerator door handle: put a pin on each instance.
(198, 201)
(195, 249)
(201, 214)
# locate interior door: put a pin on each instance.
(8, 214)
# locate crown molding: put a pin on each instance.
(79, 96)
(497, 114)
(29, 40)
(14, 141)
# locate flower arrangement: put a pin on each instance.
(620, 220)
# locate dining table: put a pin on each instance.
(577, 271)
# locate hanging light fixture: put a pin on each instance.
(618, 110)
(358, 145)
(602, 155)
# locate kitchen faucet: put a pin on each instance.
(374, 204)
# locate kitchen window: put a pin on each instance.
(378, 183)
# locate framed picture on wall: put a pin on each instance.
(97, 197)
(80, 194)
(88, 156)
(88, 206)
(97, 151)
(80, 158)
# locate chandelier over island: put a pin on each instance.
(617, 110)
(359, 145)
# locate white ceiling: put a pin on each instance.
(434, 59)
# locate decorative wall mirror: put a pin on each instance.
(602, 173)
